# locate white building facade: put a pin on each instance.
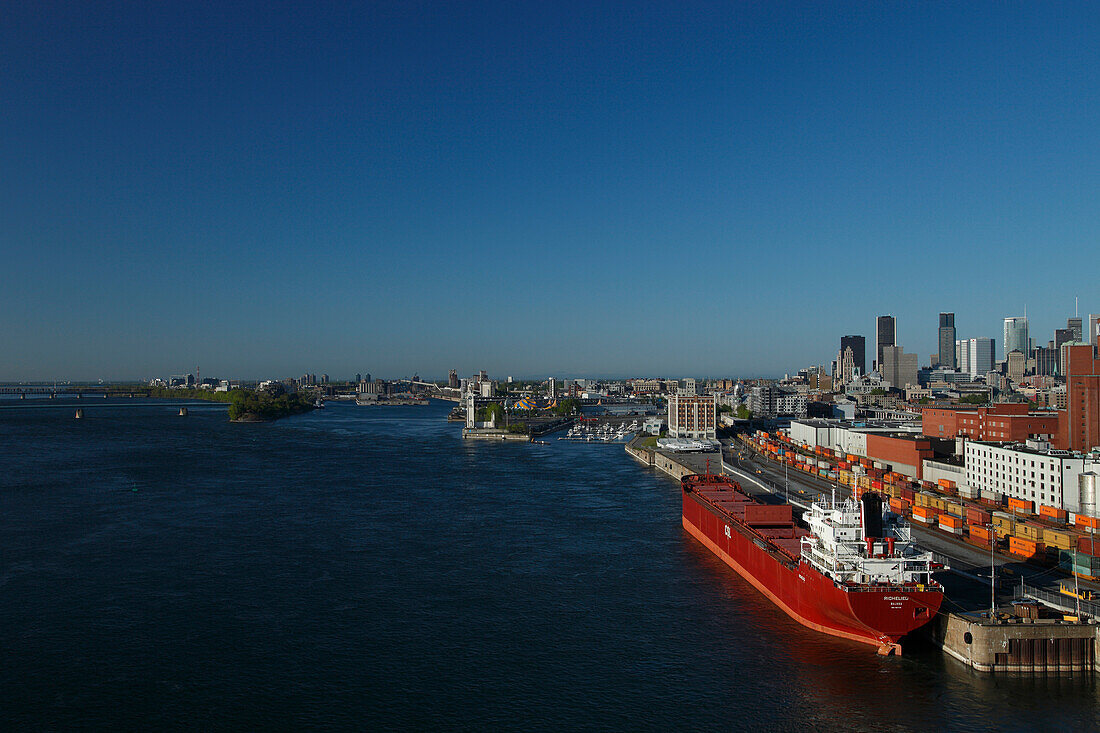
(1032, 472)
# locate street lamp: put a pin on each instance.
(992, 572)
(1076, 587)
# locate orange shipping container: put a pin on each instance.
(1082, 521)
(899, 506)
(1023, 547)
(981, 533)
(1020, 505)
(951, 521)
(1058, 515)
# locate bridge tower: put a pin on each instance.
(471, 412)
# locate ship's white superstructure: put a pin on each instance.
(850, 546)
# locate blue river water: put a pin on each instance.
(365, 568)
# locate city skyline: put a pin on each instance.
(429, 371)
(267, 192)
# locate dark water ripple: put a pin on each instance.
(364, 568)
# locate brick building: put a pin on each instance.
(1006, 422)
(904, 453)
(692, 417)
(1080, 423)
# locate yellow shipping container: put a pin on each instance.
(956, 509)
(1029, 531)
(1057, 538)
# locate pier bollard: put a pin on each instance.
(79, 413)
(183, 412)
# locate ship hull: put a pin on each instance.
(879, 617)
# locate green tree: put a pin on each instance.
(493, 412)
(743, 413)
(567, 407)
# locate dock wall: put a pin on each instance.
(642, 455)
(670, 466)
(1028, 646)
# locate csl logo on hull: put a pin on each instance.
(728, 531)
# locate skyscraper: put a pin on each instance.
(1016, 335)
(1016, 364)
(858, 345)
(1074, 324)
(976, 355)
(886, 334)
(845, 366)
(1094, 329)
(962, 355)
(1046, 361)
(947, 340)
(898, 368)
(1061, 336)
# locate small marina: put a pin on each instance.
(593, 430)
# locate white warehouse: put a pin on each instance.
(1032, 472)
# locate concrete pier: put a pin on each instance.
(1044, 646)
(676, 465)
(493, 434)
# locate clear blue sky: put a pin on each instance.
(535, 189)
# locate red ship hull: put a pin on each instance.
(876, 615)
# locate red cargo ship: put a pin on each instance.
(854, 573)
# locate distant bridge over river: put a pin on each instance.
(74, 390)
(454, 394)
